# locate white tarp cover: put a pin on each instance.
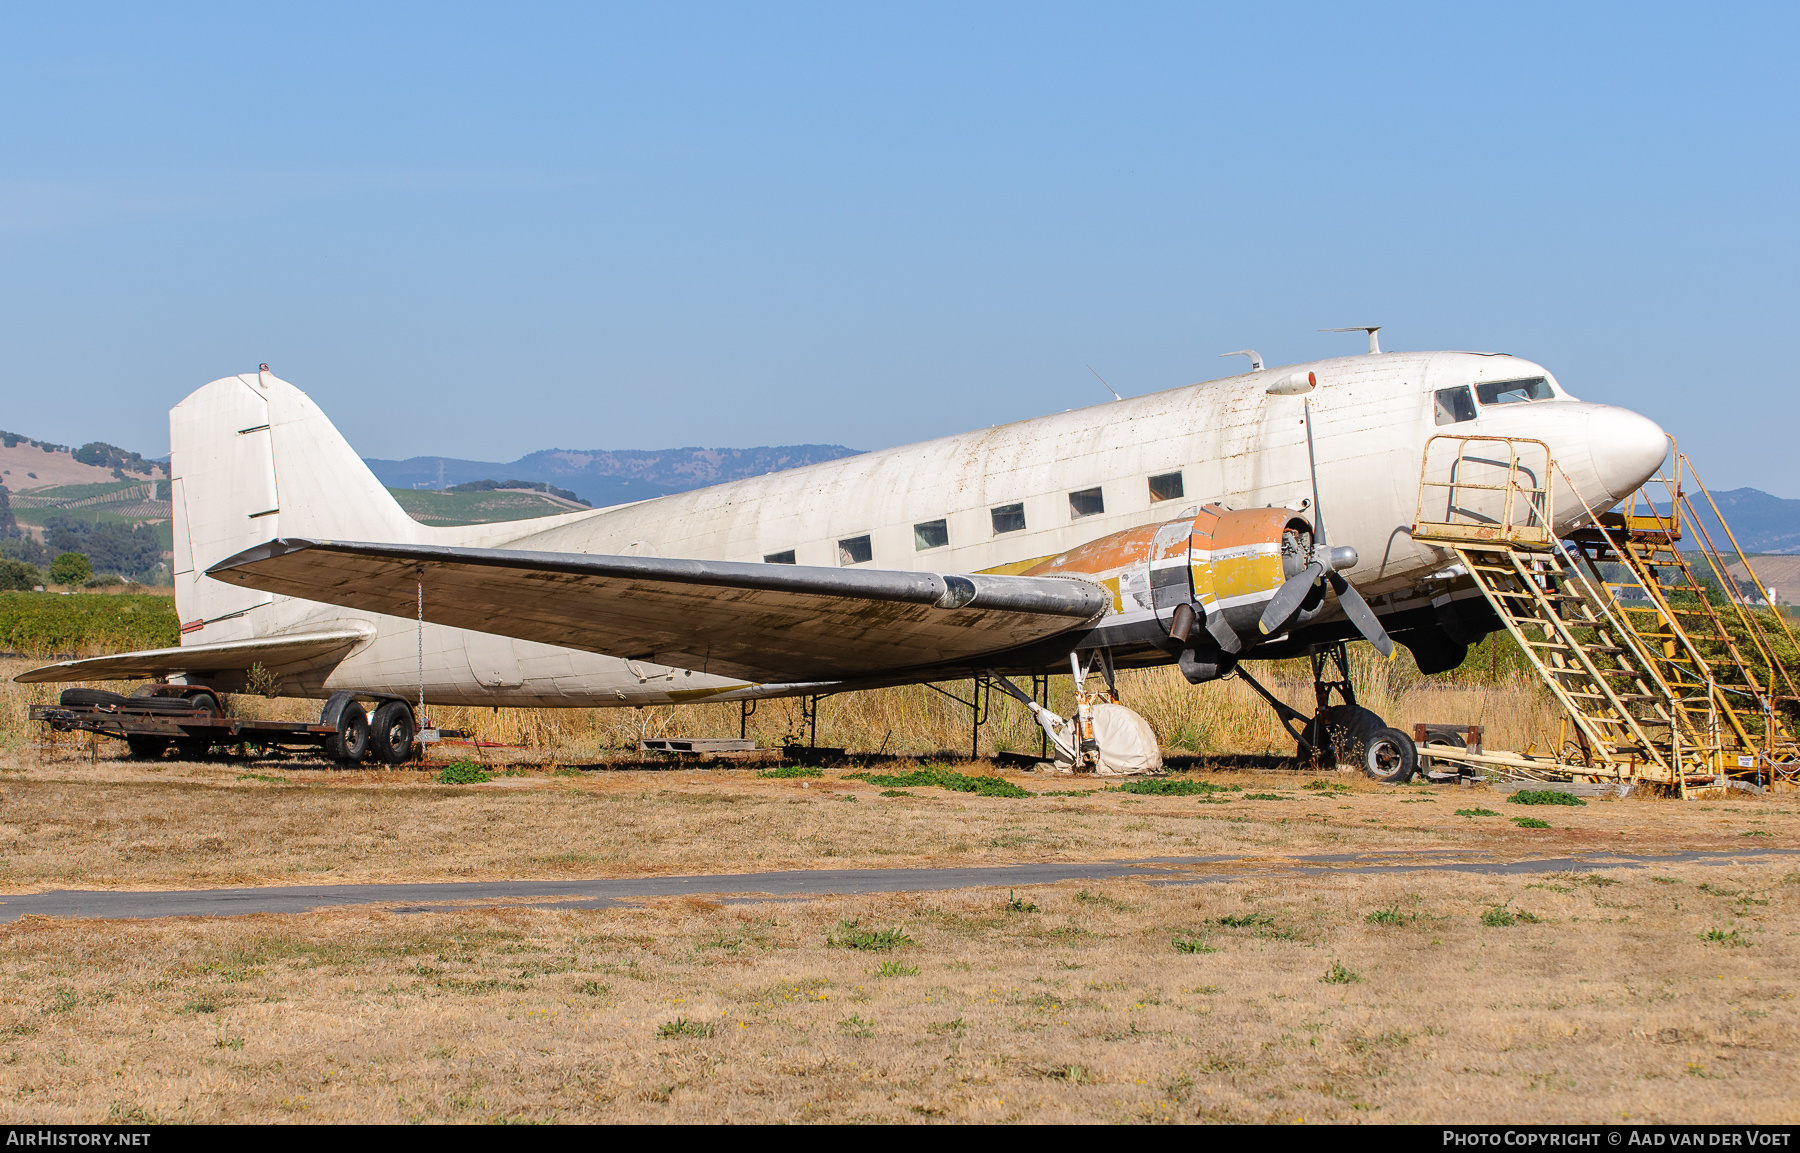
(1127, 743)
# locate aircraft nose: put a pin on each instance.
(1627, 449)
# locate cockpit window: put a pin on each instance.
(1513, 391)
(1455, 405)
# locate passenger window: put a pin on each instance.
(1455, 405)
(856, 550)
(1009, 518)
(779, 557)
(1166, 487)
(931, 534)
(1513, 391)
(1087, 502)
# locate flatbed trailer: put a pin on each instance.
(160, 717)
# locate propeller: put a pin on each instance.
(1305, 590)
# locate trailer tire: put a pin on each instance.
(203, 704)
(147, 748)
(391, 733)
(1389, 756)
(89, 697)
(351, 740)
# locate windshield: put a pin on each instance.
(1514, 391)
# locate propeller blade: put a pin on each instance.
(1361, 615)
(1287, 599)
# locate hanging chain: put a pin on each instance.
(420, 721)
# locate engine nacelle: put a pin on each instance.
(1226, 564)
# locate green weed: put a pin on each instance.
(1265, 797)
(1192, 945)
(1500, 916)
(1530, 823)
(1544, 797)
(1390, 916)
(851, 935)
(1338, 975)
(261, 777)
(1244, 920)
(1169, 787)
(784, 772)
(1018, 904)
(895, 793)
(897, 969)
(943, 778)
(856, 1026)
(1732, 939)
(682, 1027)
(64, 1001)
(1476, 812)
(463, 773)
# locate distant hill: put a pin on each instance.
(611, 477)
(1761, 523)
(443, 509)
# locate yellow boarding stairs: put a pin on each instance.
(1659, 692)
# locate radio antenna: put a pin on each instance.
(1102, 380)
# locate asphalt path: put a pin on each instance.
(451, 896)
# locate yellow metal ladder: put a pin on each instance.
(1496, 516)
(1736, 678)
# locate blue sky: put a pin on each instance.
(480, 231)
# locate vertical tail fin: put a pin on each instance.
(252, 458)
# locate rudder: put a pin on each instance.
(253, 458)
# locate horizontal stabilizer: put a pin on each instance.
(731, 618)
(227, 656)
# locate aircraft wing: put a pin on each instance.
(731, 618)
(270, 652)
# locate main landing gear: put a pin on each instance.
(1345, 734)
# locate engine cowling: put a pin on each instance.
(1225, 563)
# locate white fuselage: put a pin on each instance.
(1230, 441)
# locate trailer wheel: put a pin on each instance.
(146, 748)
(391, 733)
(205, 705)
(1389, 756)
(351, 740)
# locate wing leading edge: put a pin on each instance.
(731, 618)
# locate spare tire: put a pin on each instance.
(166, 706)
(1389, 756)
(90, 697)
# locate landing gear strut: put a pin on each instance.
(1346, 734)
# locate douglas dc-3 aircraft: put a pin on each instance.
(1265, 515)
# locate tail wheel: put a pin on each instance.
(391, 733)
(351, 740)
(1389, 756)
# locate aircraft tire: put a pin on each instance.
(351, 740)
(391, 733)
(1346, 731)
(89, 697)
(1389, 756)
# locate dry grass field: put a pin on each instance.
(1253, 987)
